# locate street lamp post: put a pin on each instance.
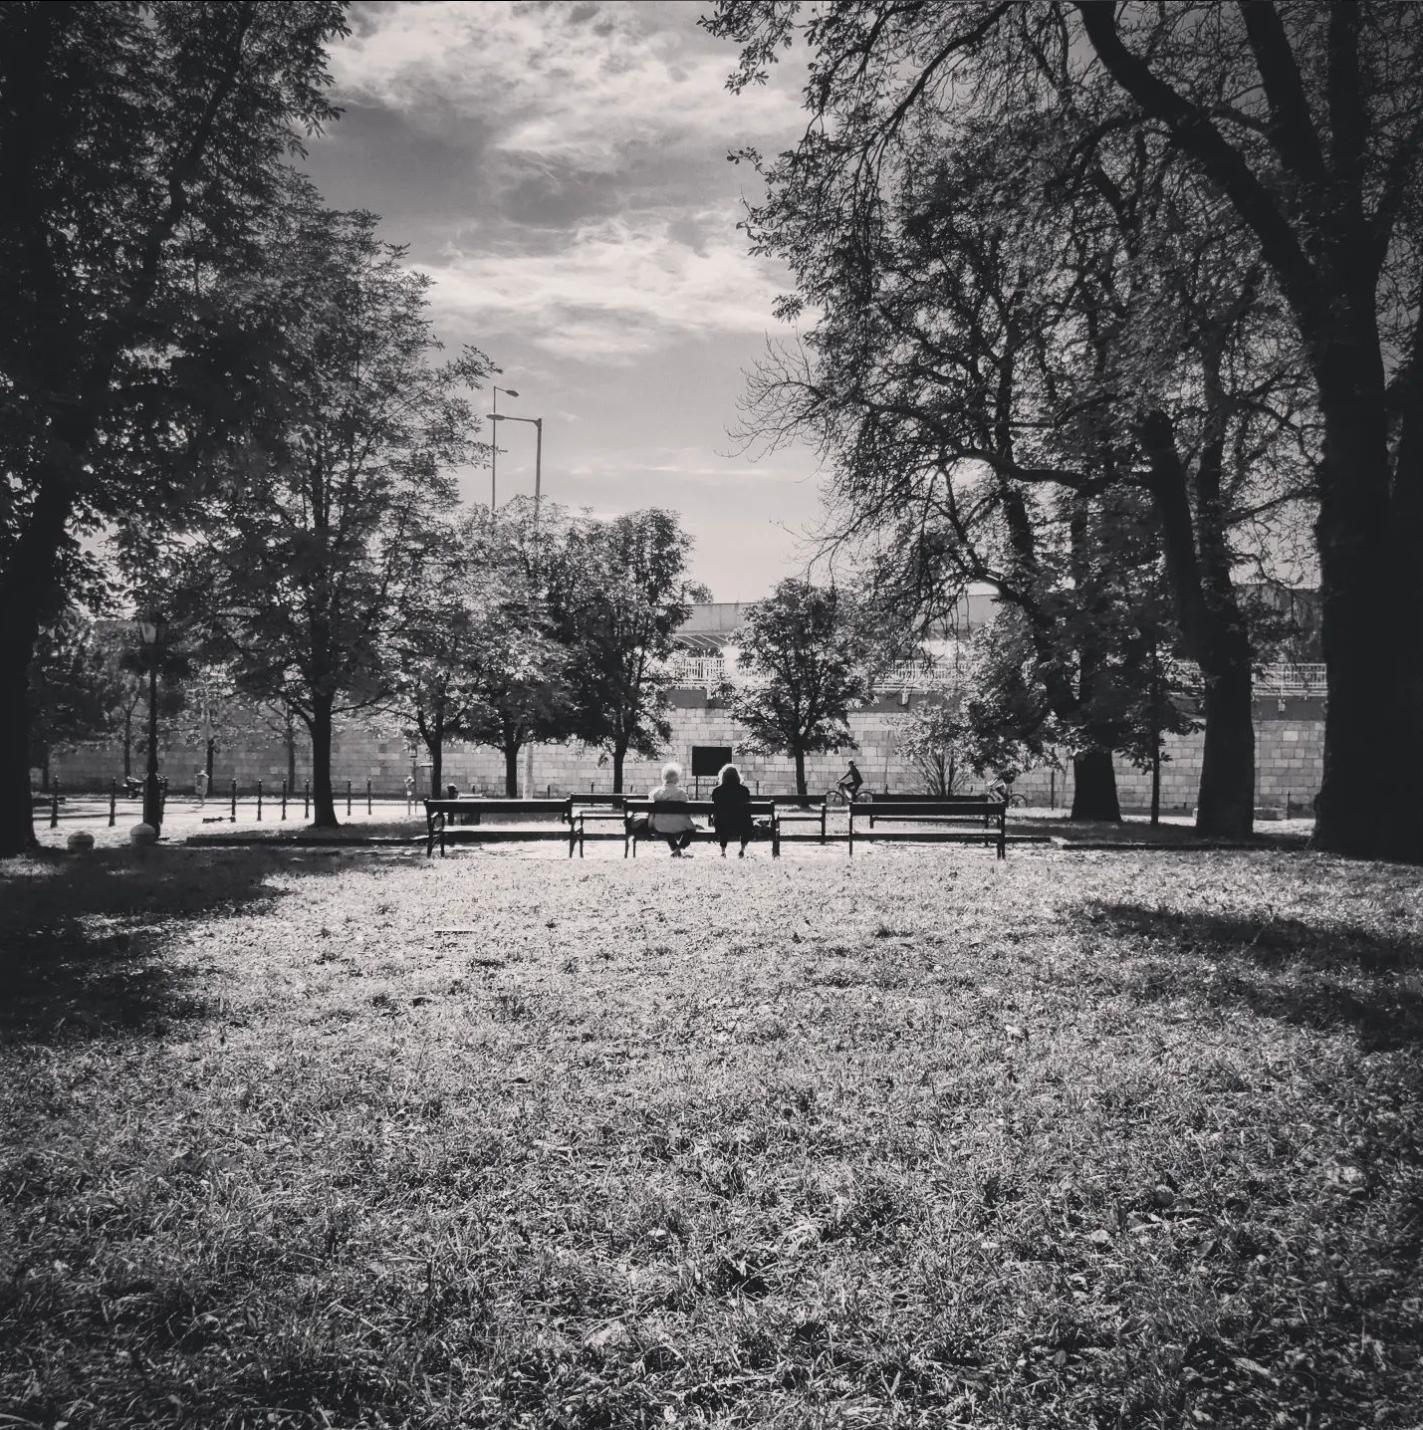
(494, 455)
(538, 426)
(151, 628)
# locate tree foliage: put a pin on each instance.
(140, 149)
(1224, 282)
(316, 528)
(73, 688)
(815, 659)
(617, 595)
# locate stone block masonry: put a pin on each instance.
(1289, 761)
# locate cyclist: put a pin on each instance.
(850, 783)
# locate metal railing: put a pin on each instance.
(1289, 679)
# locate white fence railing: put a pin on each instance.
(1290, 680)
(708, 672)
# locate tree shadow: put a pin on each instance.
(1329, 974)
(87, 945)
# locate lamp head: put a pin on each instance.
(151, 627)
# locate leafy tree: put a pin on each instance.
(988, 719)
(315, 530)
(991, 351)
(216, 714)
(475, 661)
(140, 146)
(815, 659)
(1299, 128)
(617, 596)
(73, 690)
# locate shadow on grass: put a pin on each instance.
(1134, 832)
(86, 944)
(1330, 974)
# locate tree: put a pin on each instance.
(616, 598)
(1321, 156)
(73, 689)
(935, 740)
(815, 661)
(139, 149)
(993, 328)
(316, 530)
(1300, 125)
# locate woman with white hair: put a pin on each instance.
(671, 818)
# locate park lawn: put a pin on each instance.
(1111, 1140)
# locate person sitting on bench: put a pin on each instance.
(733, 809)
(671, 819)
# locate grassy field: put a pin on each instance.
(340, 1139)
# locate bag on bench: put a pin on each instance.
(641, 826)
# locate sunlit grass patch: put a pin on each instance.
(1116, 1140)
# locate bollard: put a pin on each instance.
(348, 796)
(232, 818)
(54, 805)
(113, 801)
(306, 801)
(368, 796)
(259, 801)
(284, 799)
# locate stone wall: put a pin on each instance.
(1289, 742)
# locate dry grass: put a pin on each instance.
(1117, 1140)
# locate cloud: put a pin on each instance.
(590, 88)
(618, 288)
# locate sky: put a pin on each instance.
(560, 171)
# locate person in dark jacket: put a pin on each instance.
(732, 815)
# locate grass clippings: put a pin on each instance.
(1075, 1141)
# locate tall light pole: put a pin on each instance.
(538, 426)
(494, 455)
(151, 627)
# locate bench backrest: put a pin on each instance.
(800, 801)
(478, 804)
(760, 807)
(931, 798)
(969, 809)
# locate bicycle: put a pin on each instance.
(838, 797)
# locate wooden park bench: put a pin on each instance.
(610, 802)
(762, 810)
(960, 818)
(800, 808)
(867, 802)
(441, 816)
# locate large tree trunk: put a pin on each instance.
(435, 744)
(1226, 798)
(511, 769)
(1370, 557)
(26, 584)
(128, 744)
(618, 754)
(17, 833)
(1212, 627)
(1094, 792)
(800, 772)
(322, 796)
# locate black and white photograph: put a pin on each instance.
(945, 475)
